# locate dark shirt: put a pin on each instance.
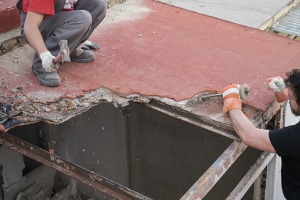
(286, 142)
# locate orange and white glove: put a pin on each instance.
(278, 86)
(48, 61)
(232, 99)
(275, 83)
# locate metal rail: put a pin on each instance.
(87, 177)
(206, 182)
(253, 173)
(200, 121)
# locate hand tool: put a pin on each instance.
(244, 92)
(64, 53)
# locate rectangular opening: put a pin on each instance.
(143, 149)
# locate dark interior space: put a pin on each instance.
(140, 148)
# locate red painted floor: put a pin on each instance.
(9, 16)
(168, 52)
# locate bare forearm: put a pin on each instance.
(241, 124)
(249, 134)
(35, 39)
(32, 32)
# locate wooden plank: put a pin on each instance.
(247, 181)
(206, 182)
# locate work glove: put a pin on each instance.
(277, 85)
(69, 5)
(89, 45)
(48, 62)
(232, 99)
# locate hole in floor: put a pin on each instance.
(137, 147)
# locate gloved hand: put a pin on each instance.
(232, 99)
(48, 62)
(275, 83)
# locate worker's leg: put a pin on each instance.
(64, 25)
(75, 27)
(97, 9)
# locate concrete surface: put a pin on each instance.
(9, 17)
(154, 49)
(251, 13)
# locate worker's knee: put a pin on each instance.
(83, 18)
(101, 5)
(97, 8)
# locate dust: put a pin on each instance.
(128, 11)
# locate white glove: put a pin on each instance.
(69, 4)
(275, 83)
(48, 62)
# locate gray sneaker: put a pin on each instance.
(50, 79)
(84, 56)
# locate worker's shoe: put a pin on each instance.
(82, 56)
(50, 79)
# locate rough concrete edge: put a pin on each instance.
(7, 35)
(63, 109)
(67, 108)
(10, 41)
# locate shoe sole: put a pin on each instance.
(86, 57)
(87, 60)
(49, 83)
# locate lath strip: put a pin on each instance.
(207, 181)
(87, 177)
(244, 185)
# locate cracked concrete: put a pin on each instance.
(149, 50)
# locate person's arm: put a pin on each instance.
(32, 32)
(277, 84)
(35, 39)
(249, 134)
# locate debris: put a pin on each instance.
(47, 109)
(71, 105)
(10, 8)
(3, 85)
(7, 115)
(17, 89)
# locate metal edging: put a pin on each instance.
(87, 177)
(240, 190)
(200, 121)
(206, 182)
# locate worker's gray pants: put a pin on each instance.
(74, 26)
